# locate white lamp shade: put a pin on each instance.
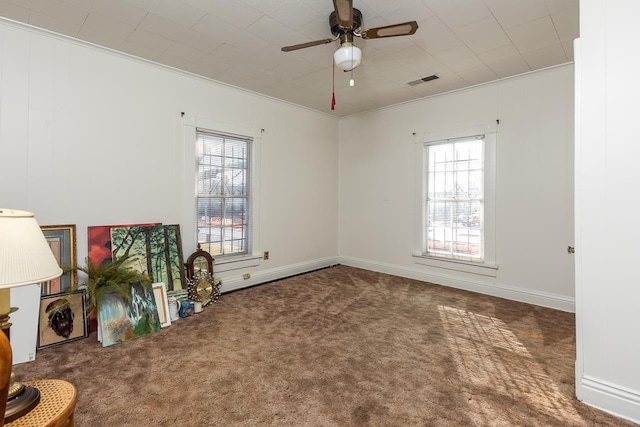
(25, 255)
(347, 57)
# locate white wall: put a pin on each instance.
(607, 253)
(91, 137)
(534, 187)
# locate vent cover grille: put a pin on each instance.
(423, 80)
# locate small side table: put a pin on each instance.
(56, 407)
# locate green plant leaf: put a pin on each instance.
(110, 277)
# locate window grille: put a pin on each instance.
(223, 192)
(454, 209)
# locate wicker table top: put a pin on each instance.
(57, 403)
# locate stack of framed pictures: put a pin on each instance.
(152, 249)
(155, 250)
(63, 307)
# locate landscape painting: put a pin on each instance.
(154, 250)
(120, 320)
(164, 249)
(99, 238)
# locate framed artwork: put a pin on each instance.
(154, 250)
(160, 294)
(120, 320)
(62, 241)
(62, 318)
(99, 240)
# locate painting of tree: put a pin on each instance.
(155, 250)
(174, 258)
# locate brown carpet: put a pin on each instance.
(335, 347)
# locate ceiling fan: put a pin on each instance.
(345, 23)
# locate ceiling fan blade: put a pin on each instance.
(304, 45)
(344, 12)
(404, 29)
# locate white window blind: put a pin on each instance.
(223, 192)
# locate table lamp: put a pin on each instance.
(25, 259)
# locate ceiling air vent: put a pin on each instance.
(422, 80)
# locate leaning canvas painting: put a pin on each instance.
(154, 250)
(120, 320)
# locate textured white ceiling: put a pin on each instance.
(464, 42)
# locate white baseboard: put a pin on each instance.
(238, 282)
(616, 400)
(558, 302)
(529, 296)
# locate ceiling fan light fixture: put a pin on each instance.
(347, 57)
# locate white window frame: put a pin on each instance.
(487, 266)
(221, 193)
(189, 124)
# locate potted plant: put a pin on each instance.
(110, 277)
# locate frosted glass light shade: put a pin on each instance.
(25, 255)
(347, 57)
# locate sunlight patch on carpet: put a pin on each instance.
(496, 367)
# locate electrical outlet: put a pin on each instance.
(266, 255)
(246, 276)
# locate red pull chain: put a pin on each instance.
(333, 85)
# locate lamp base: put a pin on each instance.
(21, 404)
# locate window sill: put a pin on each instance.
(457, 265)
(221, 265)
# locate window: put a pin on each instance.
(223, 192)
(455, 217)
(455, 199)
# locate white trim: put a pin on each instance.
(457, 265)
(86, 44)
(220, 265)
(237, 282)
(190, 124)
(577, 206)
(489, 130)
(612, 398)
(464, 89)
(222, 127)
(469, 132)
(529, 296)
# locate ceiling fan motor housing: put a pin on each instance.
(336, 30)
